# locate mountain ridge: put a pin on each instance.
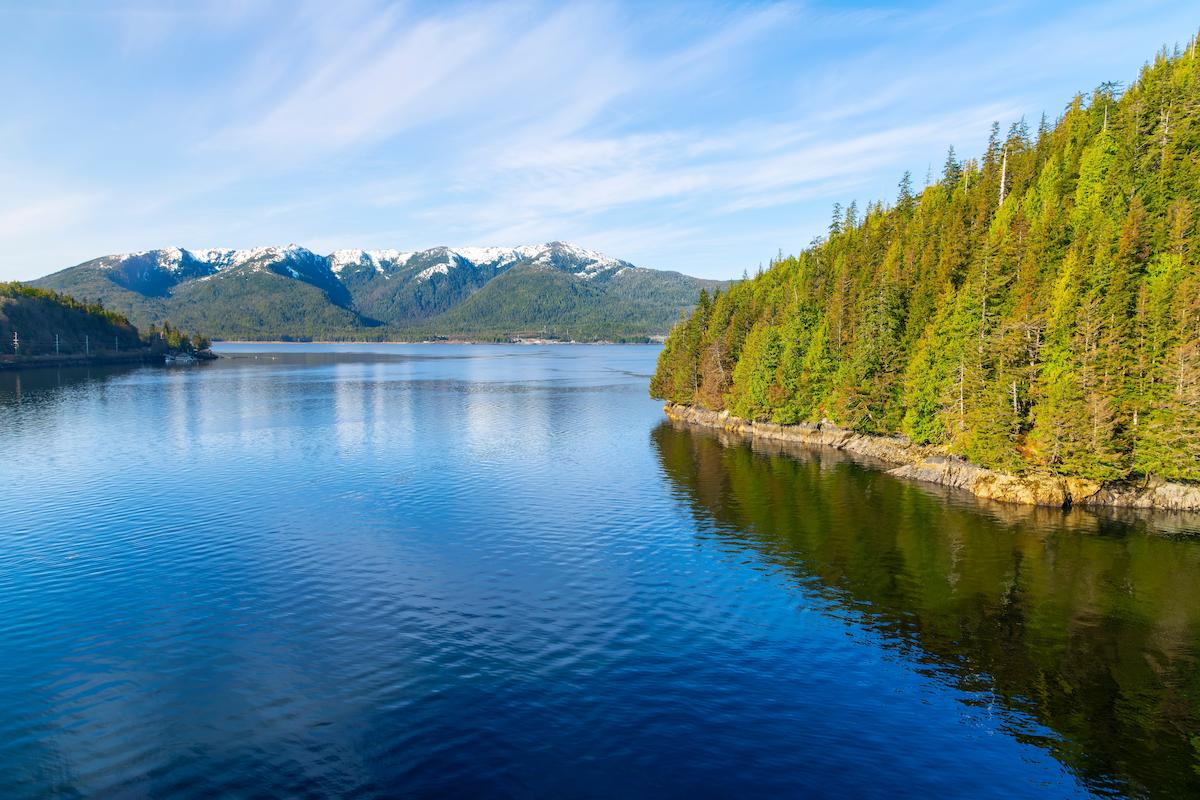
(290, 291)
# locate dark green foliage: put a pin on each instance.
(1061, 624)
(1036, 309)
(48, 323)
(532, 300)
(242, 306)
(294, 294)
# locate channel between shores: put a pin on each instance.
(932, 465)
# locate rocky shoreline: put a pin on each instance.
(931, 465)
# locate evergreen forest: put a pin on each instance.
(42, 324)
(1034, 309)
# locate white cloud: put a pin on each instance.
(475, 70)
(673, 131)
(43, 215)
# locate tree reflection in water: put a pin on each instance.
(1088, 623)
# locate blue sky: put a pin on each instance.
(703, 137)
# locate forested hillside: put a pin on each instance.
(1034, 309)
(38, 324)
(477, 292)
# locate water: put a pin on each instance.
(453, 571)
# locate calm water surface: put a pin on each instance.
(451, 571)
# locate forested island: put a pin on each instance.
(39, 327)
(1035, 311)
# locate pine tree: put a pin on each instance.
(951, 170)
(904, 198)
(1037, 309)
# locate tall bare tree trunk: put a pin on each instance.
(1003, 174)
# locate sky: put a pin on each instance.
(700, 136)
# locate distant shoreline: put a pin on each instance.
(219, 342)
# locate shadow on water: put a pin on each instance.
(1087, 623)
(32, 385)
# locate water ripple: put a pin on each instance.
(460, 571)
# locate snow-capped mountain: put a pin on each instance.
(179, 261)
(292, 291)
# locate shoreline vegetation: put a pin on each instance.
(43, 328)
(1027, 324)
(934, 465)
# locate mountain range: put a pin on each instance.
(555, 289)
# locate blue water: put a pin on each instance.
(450, 571)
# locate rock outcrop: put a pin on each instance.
(931, 465)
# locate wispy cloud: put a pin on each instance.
(43, 215)
(698, 134)
(485, 67)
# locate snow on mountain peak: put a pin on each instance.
(170, 258)
(167, 258)
(580, 261)
(225, 258)
(340, 260)
(592, 263)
